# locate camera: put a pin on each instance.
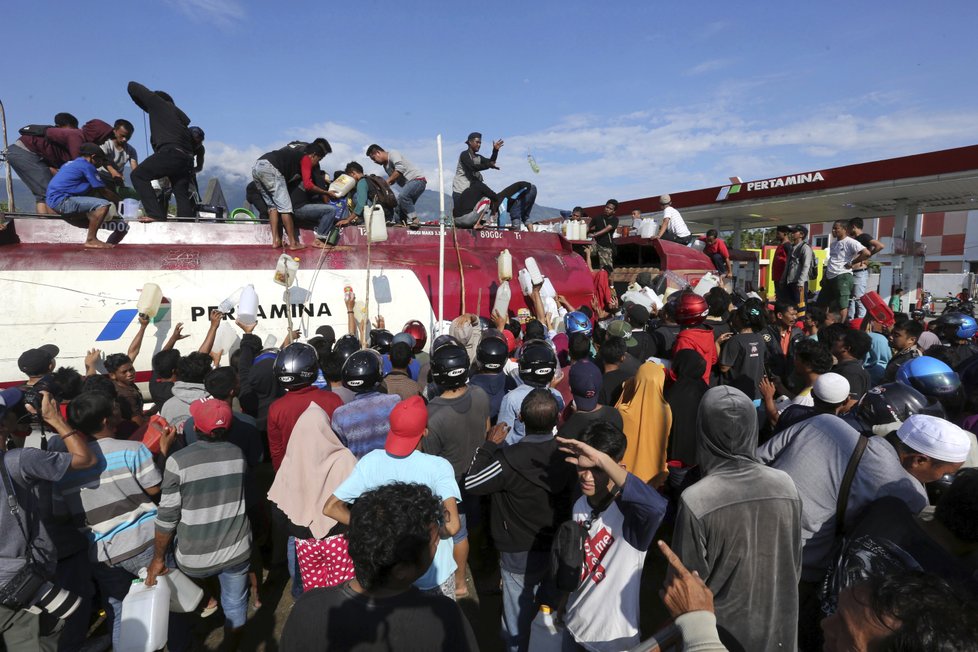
(29, 591)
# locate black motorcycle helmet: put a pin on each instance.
(883, 409)
(442, 340)
(296, 366)
(449, 366)
(492, 353)
(538, 363)
(381, 340)
(346, 346)
(363, 371)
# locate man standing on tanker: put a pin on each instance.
(172, 157)
(470, 166)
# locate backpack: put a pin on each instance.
(381, 192)
(35, 130)
(813, 268)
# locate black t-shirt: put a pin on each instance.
(644, 348)
(600, 222)
(744, 354)
(611, 386)
(865, 240)
(287, 160)
(858, 377)
(339, 618)
(664, 338)
(160, 391)
(578, 422)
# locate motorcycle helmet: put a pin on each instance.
(537, 363)
(381, 340)
(883, 409)
(296, 366)
(492, 353)
(417, 331)
(363, 371)
(930, 377)
(954, 325)
(442, 340)
(449, 366)
(691, 309)
(346, 346)
(577, 322)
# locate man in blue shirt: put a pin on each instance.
(67, 194)
(400, 461)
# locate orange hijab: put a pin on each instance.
(647, 420)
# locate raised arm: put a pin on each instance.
(215, 318)
(137, 340)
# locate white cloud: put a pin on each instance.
(221, 12)
(708, 66)
(585, 159)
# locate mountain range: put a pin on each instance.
(234, 193)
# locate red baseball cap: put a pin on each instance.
(210, 414)
(408, 421)
(510, 339)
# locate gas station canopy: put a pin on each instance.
(946, 180)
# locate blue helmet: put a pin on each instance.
(961, 325)
(577, 322)
(929, 376)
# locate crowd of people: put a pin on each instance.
(813, 475)
(79, 173)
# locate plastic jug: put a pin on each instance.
(706, 283)
(544, 634)
(376, 223)
(342, 185)
(534, 270)
(129, 209)
(247, 312)
(285, 270)
(505, 265)
(503, 295)
(185, 596)
(582, 230)
(647, 229)
(525, 285)
(149, 300)
(145, 616)
(548, 291)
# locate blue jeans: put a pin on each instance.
(234, 593)
(322, 216)
(407, 196)
(80, 204)
(114, 583)
(860, 279)
(519, 208)
(519, 595)
(293, 561)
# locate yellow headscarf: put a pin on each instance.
(647, 420)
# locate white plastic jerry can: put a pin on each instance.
(505, 264)
(342, 185)
(285, 270)
(185, 596)
(534, 271)
(503, 296)
(145, 617)
(248, 305)
(149, 300)
(376, 223)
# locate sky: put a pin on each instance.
(622, 99)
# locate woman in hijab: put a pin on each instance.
(684, 398)
(647, 420)
(315, 464)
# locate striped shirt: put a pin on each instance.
(203, 499)
(363, 423)
(110, 501)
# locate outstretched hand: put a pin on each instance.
(683, 591)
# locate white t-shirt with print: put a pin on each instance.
(841, 253)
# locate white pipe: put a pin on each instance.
(441, 237)
(11, 207)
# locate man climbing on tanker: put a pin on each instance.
(172, 157)
(407, 176)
